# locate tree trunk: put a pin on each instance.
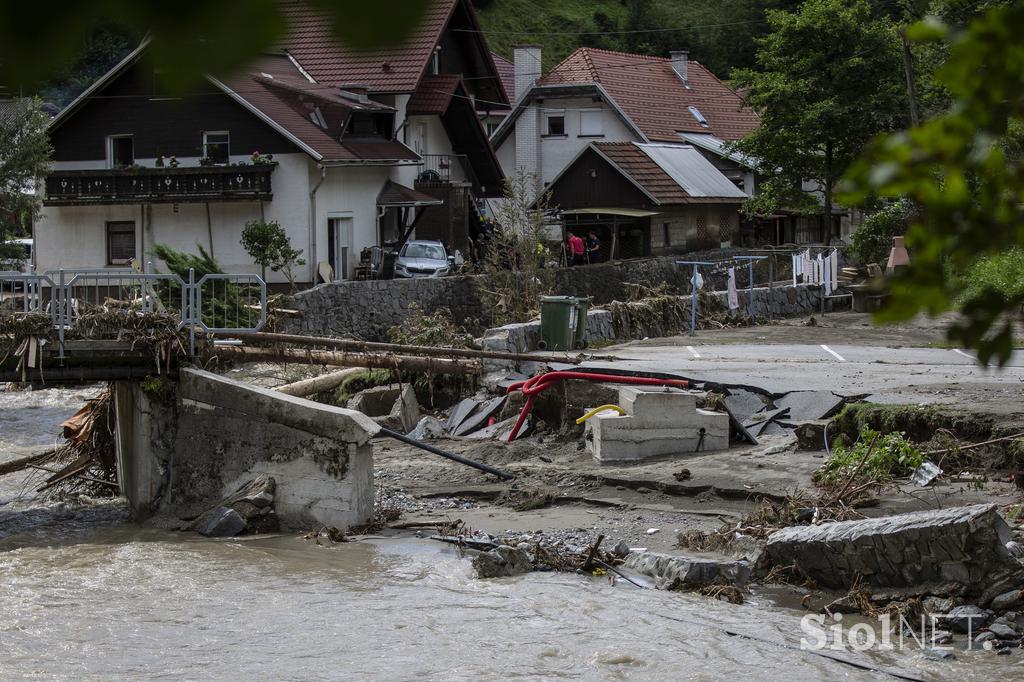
(324, 382)
(827, 232)
(908, 71)
(402, 363)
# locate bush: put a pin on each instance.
(873, 240)
(892, 457)
(1000, 275)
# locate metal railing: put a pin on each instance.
(439, 167)
(214, 303)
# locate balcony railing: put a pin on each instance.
(158, 185)
(447, 168)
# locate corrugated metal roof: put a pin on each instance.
(691, 171)
(716, 145)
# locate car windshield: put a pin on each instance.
(431, 251)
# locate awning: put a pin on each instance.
(394, 194)
(629, 212)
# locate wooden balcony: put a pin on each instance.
(159, 185)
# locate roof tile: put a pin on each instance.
(652, 95)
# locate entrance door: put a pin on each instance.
(339, 247)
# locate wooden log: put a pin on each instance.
(16, 465)
(402, 363)
(324, 382)
(428, 351)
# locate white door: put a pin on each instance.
(339, 235)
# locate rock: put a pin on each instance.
(652, 531)
(1015, 549)
(621, 550)
(983, 637)
(940, 637)
(220, 522)
(1008, 600)
(967, 618)
(251, 511)
(811, 436)
(502, 562)
(1002, 630)
(962, 546)
(393, 406)
(939, 654)
(674, 572)
(682, 475)
(427, 428)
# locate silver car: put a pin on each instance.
(423, 258)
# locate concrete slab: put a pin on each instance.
(479, 418)
(809, 405)
(460, 412)
(742, 404)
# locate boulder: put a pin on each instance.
(393, 406)
(250, 509)
(672, 572)
(962, 546)
(1008, 600)
(502, 561)
(220, 522)
(968, 618)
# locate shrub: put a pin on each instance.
(999, 275)
(873, 240)
(892, 457)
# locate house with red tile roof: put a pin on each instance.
(346, 149)
(631, 147)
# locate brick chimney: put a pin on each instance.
(681, 65)
(526, 61)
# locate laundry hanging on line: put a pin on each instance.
(734, 302)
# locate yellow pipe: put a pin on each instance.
(594, 411)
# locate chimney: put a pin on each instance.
(681, 65)
(527, 68)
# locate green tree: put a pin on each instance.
(269, 246)
(829, 79)
(964, 171)
(24, 160)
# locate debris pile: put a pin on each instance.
(248, 510)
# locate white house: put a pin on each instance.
(345, 149)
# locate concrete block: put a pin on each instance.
(960, 545)
(679, 572)
(657, 423)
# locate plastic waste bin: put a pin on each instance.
(563, 322)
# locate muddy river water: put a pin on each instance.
(87, 594)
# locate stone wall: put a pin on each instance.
(781, 301)
(368, 309)
(181, 456)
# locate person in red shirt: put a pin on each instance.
(576, 250)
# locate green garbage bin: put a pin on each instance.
(563, 322)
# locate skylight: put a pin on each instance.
(697, 115)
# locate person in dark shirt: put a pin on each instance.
(593, 245)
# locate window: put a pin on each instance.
(590, 123)
(120, 151)
(318, 119)
(697, 115)
(217, 147)
(667, 230)
(120, 242)
(554, 123)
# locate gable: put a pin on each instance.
(591, 181)
(133, 104)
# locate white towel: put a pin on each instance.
(734, 301)
(835, 269)
(827, 275)
(796, 266)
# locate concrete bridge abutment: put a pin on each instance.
(180, 452)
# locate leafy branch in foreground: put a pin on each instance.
(964, 171)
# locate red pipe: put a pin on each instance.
(532, 387)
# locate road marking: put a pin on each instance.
(836, 355)
(966, 355)
(693, 352)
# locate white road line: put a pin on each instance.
(966, 355)
(836, 355)
(693, 352)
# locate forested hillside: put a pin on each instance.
(718, 34)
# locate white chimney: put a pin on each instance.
(526, 61)
(681, 65)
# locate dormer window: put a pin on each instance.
(217, 147)
(699, 116)
(364, 124)
(317, 117)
